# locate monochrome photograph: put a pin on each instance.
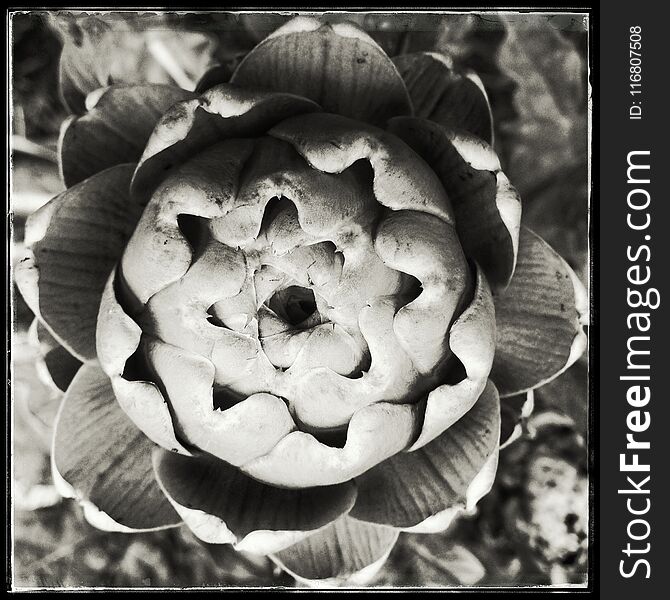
(299, 300)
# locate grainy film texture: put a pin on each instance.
(299, 299)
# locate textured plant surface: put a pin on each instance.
(293, 308)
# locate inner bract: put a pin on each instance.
(283, 292)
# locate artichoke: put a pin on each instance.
(299, 298)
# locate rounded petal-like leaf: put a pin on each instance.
(339, 66)
(326, 204)
(478, 488)
(427, 248)
(325, 399)
(441, 93)
(396, 33)
(223, 505)
(238, 434)
(472, 342)
(375, 432)
(411, 487)
(73, 243)
(118, 337)
(221, 113)
(348, 552)
(402, 181)
(100, 458)
(158, 253)
(115, 130)
(539, 319)
(487, 208)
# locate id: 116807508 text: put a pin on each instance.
(635, 69)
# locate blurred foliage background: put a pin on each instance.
(532, 529)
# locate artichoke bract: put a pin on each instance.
(299, 297)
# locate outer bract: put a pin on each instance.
(300, 299)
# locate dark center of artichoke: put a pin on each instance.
(294, 304)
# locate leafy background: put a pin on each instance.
(532, 529)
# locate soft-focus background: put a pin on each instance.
(532, 529)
